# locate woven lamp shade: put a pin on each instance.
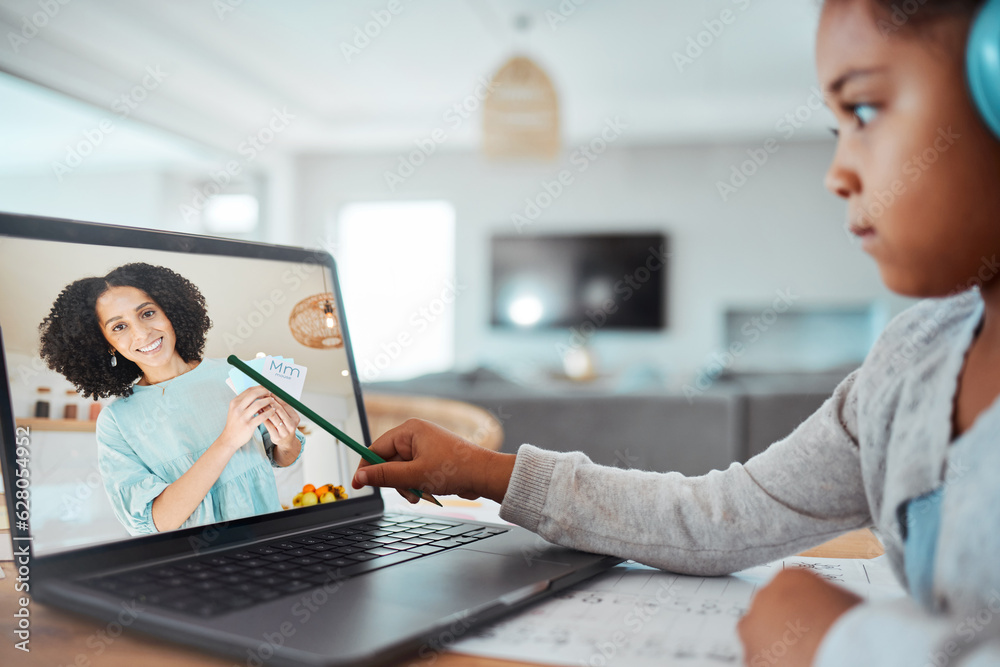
(308, 322)
(521, 114)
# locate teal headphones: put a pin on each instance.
(982, 63)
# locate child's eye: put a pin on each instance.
(118, 327)
(148, 313)
(864, 113)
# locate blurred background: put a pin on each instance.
(601, 221)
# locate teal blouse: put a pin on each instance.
(146, 441)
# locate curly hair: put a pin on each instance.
(72, 342)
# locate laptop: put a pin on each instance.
(274, 565)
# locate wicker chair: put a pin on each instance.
(386, 411)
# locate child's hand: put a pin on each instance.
(789, 617)
(422, 455)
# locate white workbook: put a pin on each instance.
(636, 615)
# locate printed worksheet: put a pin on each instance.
(637, 616)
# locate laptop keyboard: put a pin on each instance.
(230, 580)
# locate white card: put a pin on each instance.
(279, 370)
(282, 372)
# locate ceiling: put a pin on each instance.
(227, 65)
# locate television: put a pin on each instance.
(613, 281)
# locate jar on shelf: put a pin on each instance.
(70, 408)
(42, 405)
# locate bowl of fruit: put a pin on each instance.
(312, 495)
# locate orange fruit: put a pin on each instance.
(308, 488)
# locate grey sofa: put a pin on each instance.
(737, 417)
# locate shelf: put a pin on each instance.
(40, 424)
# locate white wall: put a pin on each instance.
(141, 196)
(781, 231)
(128, 197)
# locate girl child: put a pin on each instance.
(908, 443)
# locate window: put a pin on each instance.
(231, 214)
(396, 262)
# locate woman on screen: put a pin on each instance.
(176, 449)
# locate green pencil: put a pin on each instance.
(363, 452)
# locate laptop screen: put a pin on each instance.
(117, 365)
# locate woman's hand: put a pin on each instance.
(789, 617)
(247, 411)
(281, 424)
(422, 455)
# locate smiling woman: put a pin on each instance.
(168, 459)
(84, 347)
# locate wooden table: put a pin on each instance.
(60, 638)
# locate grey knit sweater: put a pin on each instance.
(883, 437)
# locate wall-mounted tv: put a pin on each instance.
(613, 281)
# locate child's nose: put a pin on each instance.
(841, 180)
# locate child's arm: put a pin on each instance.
(800, 492)
(789, 617)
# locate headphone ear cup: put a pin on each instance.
(982, 64)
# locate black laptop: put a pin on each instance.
(281, 562)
